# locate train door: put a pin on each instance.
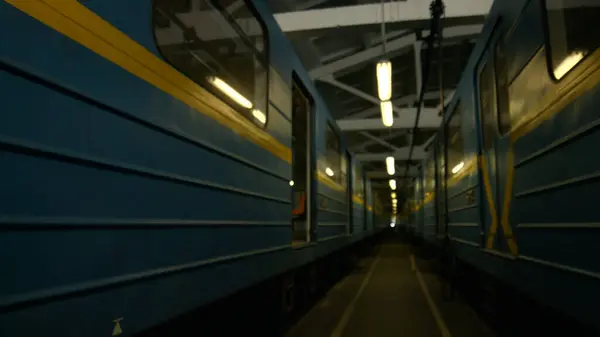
(303, 165)
(366, 199)
(488, 161)
(440, 188)
(350, 178)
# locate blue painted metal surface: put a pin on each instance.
(539, 180)
(120, 201)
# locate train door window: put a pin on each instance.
(487, 104)
(302, 221)
(207, 42)
(358, 182)
(333, 155)
(501, 75)
(573, 32)
(366, 202)
(455, 142)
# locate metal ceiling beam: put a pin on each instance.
(309, 4)
(429, 119)
(399, 154)
(406, 114)
(391, 46)
(361, 147)
(233, 7)
(400, 11)
(412, 171)
(405, 100)
(380, 141)
(363, 56)
(351, 89)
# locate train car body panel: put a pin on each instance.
(131, 194)
(521, 202)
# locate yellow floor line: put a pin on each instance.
(439, 321)
(339, 329)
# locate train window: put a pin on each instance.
(501, 75)
(487, 104)
(333, 155)
(455, 143)
(218, 48)
(358, 182)
(573, 32)
(429, 177)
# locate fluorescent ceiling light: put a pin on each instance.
(384, 80)
(229, 91)
(390, 164)
(567, 64)
(260, 116)
(393, 184)
(387, 113)
(329, 172)
(458, 167)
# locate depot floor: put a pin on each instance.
(390, 293)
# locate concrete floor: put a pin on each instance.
(390, 293)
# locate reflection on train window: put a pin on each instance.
(455, 143)
(573, 32)
(333, 155)
(487, 104)
(218, 46)
(429, 177)
(500, 64)
(358, 182)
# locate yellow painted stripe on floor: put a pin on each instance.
(339, 329)
(437, 316)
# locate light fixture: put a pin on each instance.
(567, 64)
(393, 195)
(458, 167)
(393, 184)
(390, 164)
(229, 91)
(394, 202)
(259, 115)
(291, 183)
(387, 113)
(392, 224)
(384, 80)
(329, 172)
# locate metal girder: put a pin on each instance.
(429, 119)
(400, 11)
(363, 56)
(380, 141)
(405, 100)
(391, 46)
(351, 89)
(309, 4)
(361, 147)
(407, 115)
(412, 171)
(399, 154)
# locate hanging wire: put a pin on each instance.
(434, 39)
(383, 39)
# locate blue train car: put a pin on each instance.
(157, 156)
(519, 170)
